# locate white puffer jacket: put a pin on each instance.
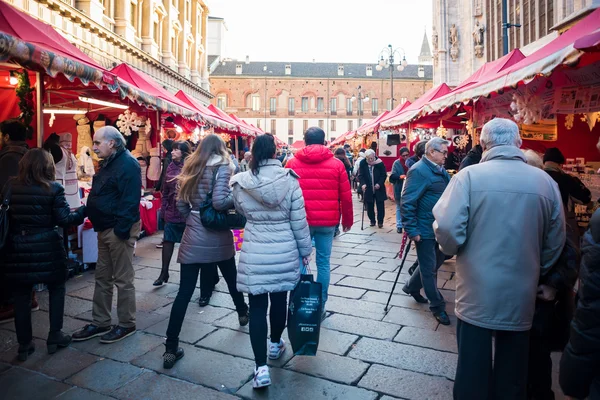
(276, 234)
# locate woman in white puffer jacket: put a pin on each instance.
(276, 243)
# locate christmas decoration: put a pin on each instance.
(441, 131)
(569, 120)
(226, 137)
(469, 128)
(527, 108)
(591, 119)
(129, 122)
(461, 141)
(25, 94)
(412, 135)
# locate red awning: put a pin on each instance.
(205, 112)
(36, 45)
(373, 125)
(240, 121)
(242, 128)
(343, 138)
(298, 144)
(142, 89)
(415, 108)
(562, 50)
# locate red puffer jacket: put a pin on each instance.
(325, 185)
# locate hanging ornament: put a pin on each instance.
(569, 120)
(469, 127)
(591, 119)
(52, 118)
(441, 131)
(195, 137)
(412, 136)
(527, 108)
(461, 141)
(129, 122)
(226, 137)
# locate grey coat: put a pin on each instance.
(276, 234)
(505, 222)
(200, 245)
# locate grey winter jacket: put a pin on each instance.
(200, 245)
(505, 222)
(276, 234)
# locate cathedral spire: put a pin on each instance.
(425, 57)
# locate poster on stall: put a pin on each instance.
(384, 150)
(578, 100)
(544, 131)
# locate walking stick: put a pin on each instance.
(405, 247)
(362, 223)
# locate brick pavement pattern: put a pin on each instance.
(364, 352)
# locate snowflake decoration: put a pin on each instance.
(441, 131)
(148, 126)
(569, 120)
(527, 108)
(591, 119)
(469, 127)
(412, 136)
(462, 141)
(129, 122)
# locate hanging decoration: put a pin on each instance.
(441, 131)
(527, 108)
(591, 119)
(569, 120)
(226, 137)
(129, 122)
(469, 128)
(412, 136)
(52, 118)
(25, 94)
(195, 136)
(461, 141)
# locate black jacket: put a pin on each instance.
(472, 157)
(114, 201)
(379, 176)
(580, 362)
(569, 186)
(34, 252)
(9, 160)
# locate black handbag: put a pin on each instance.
(4, 207)
(219, 220)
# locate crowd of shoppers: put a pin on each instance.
(515, 304)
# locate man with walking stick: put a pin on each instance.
(424, 185)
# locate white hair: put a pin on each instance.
(435, 143)
(369, 152)
(111, 133)
(500, 132)
(534, 159)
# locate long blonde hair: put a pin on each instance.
(195, 164)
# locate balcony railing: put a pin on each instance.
(348, 112)
(273, 112)
(333, 112)
(291, 112)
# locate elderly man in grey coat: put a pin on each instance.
(505, 222)
(424, 185)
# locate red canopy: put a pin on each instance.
(45, 49)
(298, 144)
(254, 130)
(372, 125)
(343, 138)
(415, 108)
(562, 50)
(242, 128)
(205, 112)
(142, 89)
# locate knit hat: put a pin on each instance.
(553, 154)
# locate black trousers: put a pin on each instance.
(539, 378)
(380, 211)
(22, 296)
(187, 284)
(478, 376)
(258, 322)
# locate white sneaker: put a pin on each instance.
(262, 378)
(276, 350)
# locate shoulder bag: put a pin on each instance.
(4, 207)
(219, 220)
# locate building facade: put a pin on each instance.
(287, 98)
(164, 38)
(468, 33)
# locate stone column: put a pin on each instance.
(93, 8)
(123, 25)
(196, 46)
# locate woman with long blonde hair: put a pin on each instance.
(208, 168)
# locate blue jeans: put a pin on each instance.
(425, 276)
(398, 216)
(323, 240)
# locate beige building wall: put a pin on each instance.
(164, 38)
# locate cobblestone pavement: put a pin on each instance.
(364, 352)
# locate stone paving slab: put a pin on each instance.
(7, 338)
(357, 271)
(208, 368)
(361, 326)
(335, 342)
(356, 308)
(105, 376)
(125, 350)
(427, 338)
(406, 384)
(76, 393)
(349, 262)
(19, 383)
(153, 386)
(364, 257)
(348, 292)
(191, 331)
(291, 385)
(60, 365)
(40, 324)
(208, 314)
(408, 317)
(386, 264)
(329, 366)
(73, 305)
(369, 284)
(406, 357)
(143, 319)
(398, 300)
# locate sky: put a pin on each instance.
(324, 30)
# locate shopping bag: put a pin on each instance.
(304, 316)
(238, 238)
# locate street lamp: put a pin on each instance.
(386, 60)
(360, 104)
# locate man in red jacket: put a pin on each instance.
(326, 190)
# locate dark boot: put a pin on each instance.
(25, 350)
(57, 340)
(171, 356)
(162, 278)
